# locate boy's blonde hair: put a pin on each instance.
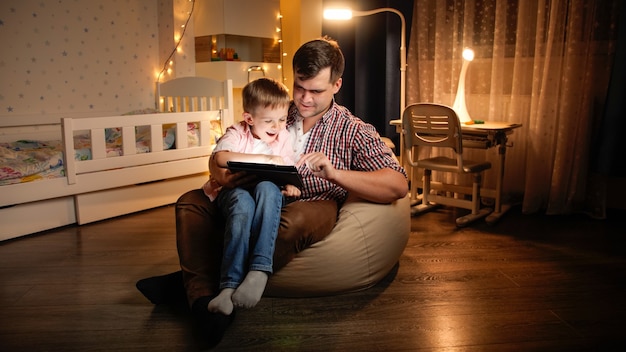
(264, 92)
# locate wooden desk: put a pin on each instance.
(481, 136)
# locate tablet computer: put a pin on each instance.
(279, 174)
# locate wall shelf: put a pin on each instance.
(237, 71)
(212, 48)
(250, 28)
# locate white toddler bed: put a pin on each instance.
(109, 166)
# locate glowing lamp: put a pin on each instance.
(347, 14)
(459, 105)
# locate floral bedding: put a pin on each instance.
(29, 160)
(24, 161)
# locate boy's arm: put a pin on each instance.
(224, 177)
(222, 157)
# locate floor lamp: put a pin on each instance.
(346, 14)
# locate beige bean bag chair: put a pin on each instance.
(364, 246)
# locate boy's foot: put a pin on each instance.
(222, 303)
(249, 293)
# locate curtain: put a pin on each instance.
(371, 45)
(543, 64)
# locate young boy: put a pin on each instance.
(252, 212)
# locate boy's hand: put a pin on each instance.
(275, 159)
(227, 178)
(231, 179)
(291, 191)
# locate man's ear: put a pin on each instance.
(337, 85)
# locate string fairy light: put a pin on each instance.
(279, 30)
(169, 61)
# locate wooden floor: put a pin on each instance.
(529, 283)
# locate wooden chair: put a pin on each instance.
(434, 125)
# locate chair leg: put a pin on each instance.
(476, 193)
(426, 186)
(426, 204)
(469, 218)
(415, 199)
(477, 212)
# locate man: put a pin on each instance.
(338, 154)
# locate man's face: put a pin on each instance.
(314, 96)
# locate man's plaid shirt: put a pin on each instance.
(349, 143)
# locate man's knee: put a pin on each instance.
(194, 196)
(195, 203)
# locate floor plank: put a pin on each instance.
(528, 283)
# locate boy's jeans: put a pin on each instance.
(252, 220)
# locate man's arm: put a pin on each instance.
(380, 186)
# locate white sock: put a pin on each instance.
(223, 303)
(249, 293)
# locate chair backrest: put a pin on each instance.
(432, 125)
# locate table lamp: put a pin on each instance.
(459, 102)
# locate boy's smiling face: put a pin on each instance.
(267, 122)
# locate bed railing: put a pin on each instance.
(186, 94)
(128, 124)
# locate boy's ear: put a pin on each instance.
(247, 117)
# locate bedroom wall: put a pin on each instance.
(85, 57)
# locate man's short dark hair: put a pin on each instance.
(316, 55)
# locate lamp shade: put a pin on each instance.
(337, 14)
(346, 14)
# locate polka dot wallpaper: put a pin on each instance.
(92, 57)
